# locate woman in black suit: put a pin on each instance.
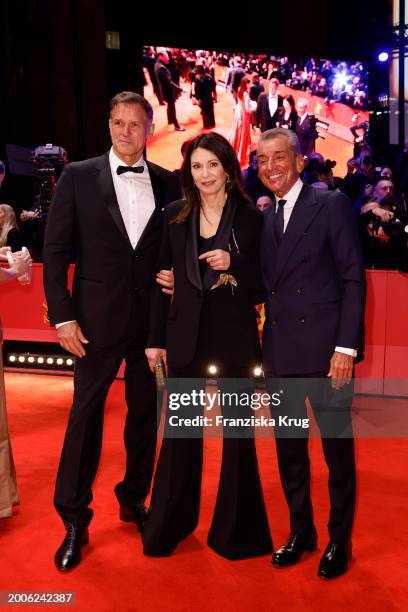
(288, 115)
(211, 239)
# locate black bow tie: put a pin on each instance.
(121, 169)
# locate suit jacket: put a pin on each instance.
(85, 218)
(306, 135)
(315, 284)
(263, 116)
(168, 88)
(175, 325)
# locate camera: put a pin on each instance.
(48, 162)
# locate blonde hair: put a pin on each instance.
(9, 223)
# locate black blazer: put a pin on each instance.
(315, 284)
(264, 120)
(306, 135)
(169, 90)
(291, 122)
(175, 325)
(85, 217)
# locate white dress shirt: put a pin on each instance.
(303, 117)
(135, 198)
(291, 198)
(273, 104)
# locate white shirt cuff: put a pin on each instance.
(57, 325)
(346, 351)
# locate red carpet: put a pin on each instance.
(114, 573)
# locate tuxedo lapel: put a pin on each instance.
(158, 192)
(221, 240)
(304, 211)
(192, 265)
(107, 189)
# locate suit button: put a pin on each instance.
(299, 291)
(302, 320)
(274, 322)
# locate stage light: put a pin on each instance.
(60, 361)
(69, 362)
(12, 358)
(258, 371)
(21, 359)
(212, 369)
(31, 359)
(383, 56)
(50, 361)
(40, 360)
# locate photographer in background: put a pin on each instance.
(384, 230)
(360, 171)
(305, 127)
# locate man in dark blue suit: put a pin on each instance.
(313, 335)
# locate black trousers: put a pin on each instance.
(239, 527)
(171, 113)
(332, 412)
(80, 456)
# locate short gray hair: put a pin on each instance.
(290, 136)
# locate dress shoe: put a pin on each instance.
(180, 128)
(68, 555)
(298, 543)
(335, 559)
(138, 514)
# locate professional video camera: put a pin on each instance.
(48, 162)
(313, 121)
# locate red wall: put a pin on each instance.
(22, 310)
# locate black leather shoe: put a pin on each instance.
(138, 514)
(68, 555)
(298, 543)
(180, 128)
(335, 559)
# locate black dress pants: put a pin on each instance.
(80, 456)
(239, 526)
(332, 412)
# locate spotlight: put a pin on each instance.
(60, 361)
(40, 360)
(69, 362)
(383, 56)
(258, 371)
(50, 361)
(12, 358)
(21, 359)
(212, 369)
(31, 359)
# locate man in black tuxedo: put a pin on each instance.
(169, 90)
(305, 128)
(108, 210)
(268, 107)
(313, 335)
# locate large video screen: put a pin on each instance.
(192, 90)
